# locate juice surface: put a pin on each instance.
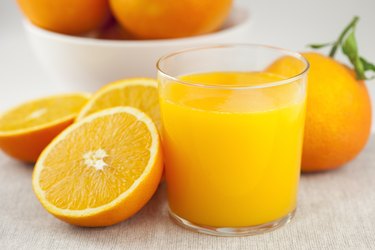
(232, 156)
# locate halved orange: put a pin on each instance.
(141, 93)
(28, 128)
(102, 169)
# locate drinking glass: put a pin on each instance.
(233, 119)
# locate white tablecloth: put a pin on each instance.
(336, 211)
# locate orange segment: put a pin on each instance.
(140, 93)
(28, 128)
(102, 169)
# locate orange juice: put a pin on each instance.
(232, 157)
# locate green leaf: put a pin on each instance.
(343, 34)
(319, 46)
(368, 67)
(350, 49)
(348, 44)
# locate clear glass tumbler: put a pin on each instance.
(233, 119)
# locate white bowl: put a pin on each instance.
(82, 63)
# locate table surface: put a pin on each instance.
(336, 209)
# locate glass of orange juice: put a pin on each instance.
(233, 119)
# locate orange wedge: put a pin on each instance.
(102, 169)
(28, 128)
(141, 93)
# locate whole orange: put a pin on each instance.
(157, 19)
(338, 117)
(66, 16)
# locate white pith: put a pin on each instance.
(95, 159)
(37, 113)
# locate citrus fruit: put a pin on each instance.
(101, 170)
(338, 117)
(169, 18)
(66, 16)
(141, 93)
(28, 128)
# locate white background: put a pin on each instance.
(284, 23)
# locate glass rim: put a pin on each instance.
(269, 84)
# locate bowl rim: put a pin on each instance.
(243, 10)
